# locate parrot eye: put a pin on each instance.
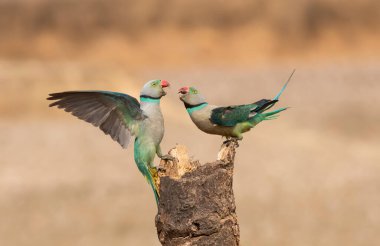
(195, 92)
(154, 84)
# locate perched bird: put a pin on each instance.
(231, 121)
(122, 116)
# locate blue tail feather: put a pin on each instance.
(283, 88)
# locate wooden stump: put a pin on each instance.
(197, 204)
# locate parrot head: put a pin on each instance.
(190, 96)
(154, 88)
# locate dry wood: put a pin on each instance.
(197, 204)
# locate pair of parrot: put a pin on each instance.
(122, 116)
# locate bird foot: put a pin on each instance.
(168, 158)
(232, 140)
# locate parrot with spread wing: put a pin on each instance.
(231, 121)
(121, 116)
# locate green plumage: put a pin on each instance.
(251, 113)
(232, 115)
(230, 121)
(265, 116)
(144, 153)
(122, 116)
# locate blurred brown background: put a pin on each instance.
(312, 177)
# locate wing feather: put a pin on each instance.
(232, 115)
(116, 114)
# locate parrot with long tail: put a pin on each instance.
(122, 116)
(231, 121)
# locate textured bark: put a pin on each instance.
(197, 204)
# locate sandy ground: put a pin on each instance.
(312, 177)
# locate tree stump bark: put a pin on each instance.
(197, 204)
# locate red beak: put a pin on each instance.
(184, 90)
(164, 83)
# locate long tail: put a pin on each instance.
(267, 104)
(265, 116)
(148, 174)
(152, 183)
(283, 88)
(275, 99)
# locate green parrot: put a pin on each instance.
(122, 116)
(230, 121)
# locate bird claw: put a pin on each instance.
(232, 140)
(161, 169)
(168, 158)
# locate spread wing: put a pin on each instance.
(116, 114)
(232, 115)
